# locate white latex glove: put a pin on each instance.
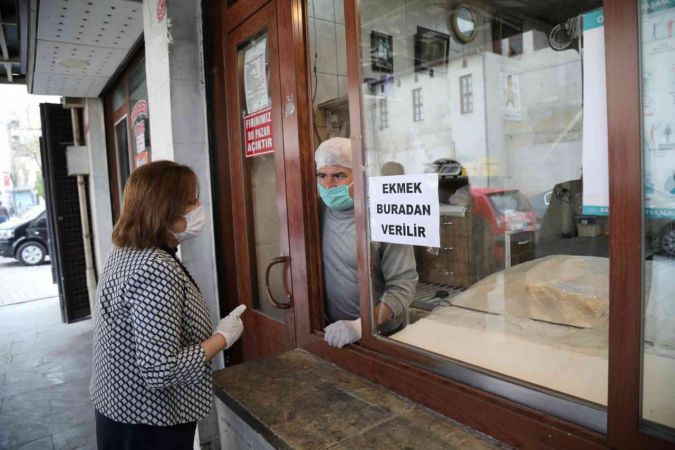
(231, 327)
(343, 332)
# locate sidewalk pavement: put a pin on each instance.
(45, 367)
(21, 283)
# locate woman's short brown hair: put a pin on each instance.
(155, 195)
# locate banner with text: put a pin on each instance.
(258, 133)
(404, 209)
(595, 145)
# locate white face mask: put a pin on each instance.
(196, 219)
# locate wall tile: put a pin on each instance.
(341, 47)
(324, 9)
(326, 57)
(339, 11)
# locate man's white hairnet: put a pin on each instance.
(335, 151)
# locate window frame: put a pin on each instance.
(417, 105)
(383, 122)
(466, 94)
(399, 368)
(113, 117)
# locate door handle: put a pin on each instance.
(270, 296)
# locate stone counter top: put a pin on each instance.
(296, 400)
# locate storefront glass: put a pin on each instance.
(254, 105)
(657, 57)
(140, 119)
(485, 154)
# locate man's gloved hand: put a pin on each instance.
(343, 332)
(231, 327)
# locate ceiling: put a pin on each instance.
(79, 44)
(13, 42)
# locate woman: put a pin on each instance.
(153, 344)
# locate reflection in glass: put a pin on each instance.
(122, 150)
(519, 285)
(657, 57)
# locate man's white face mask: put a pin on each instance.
(196, 219)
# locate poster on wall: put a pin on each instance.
(404, 209)
(657, 51)
(255, 77)
(510, 87)
(139, 119)
(594, 150)
(258, 138)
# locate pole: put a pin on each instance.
(84, 220)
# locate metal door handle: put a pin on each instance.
(270, 297)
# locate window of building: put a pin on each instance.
(506, 289)
(384, 114)
(127, 125)
(417, 105)
(466, 94)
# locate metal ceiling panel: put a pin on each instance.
(81, 43)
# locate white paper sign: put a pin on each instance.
(255, 77)
(595, 146)
(404, 209)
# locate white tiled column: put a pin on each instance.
(178, 129)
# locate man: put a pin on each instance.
(394, 270)
(4, 213)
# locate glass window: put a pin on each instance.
(384, 114)
(253, 62)
(657, 58)
(119, 97)
(516, 284)
(466, 94)
(140, 116)
(417, 104)
(122, 150)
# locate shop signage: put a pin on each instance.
(404, 209)
(161, 10)
(258, 133)
(139, 116)
(139, 132)
(255, 77)
(7, 180)
(595, 143)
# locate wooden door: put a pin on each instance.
(258, 184)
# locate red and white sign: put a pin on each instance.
(7, 180)
(139, 133)
(142, 158)
(139, 110)
(161, 10)
(258, 133)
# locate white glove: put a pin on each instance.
(231, 327)
(343, 332)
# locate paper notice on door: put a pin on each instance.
(255, 77)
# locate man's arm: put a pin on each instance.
(400, 280)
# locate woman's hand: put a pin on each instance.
(231, 327)
(227, 332)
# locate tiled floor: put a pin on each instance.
(44, 379)
(20, 283)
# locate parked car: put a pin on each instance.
(26, 237)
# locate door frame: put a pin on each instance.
(266, 329)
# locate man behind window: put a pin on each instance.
(394, 271)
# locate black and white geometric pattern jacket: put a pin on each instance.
(149, 321)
